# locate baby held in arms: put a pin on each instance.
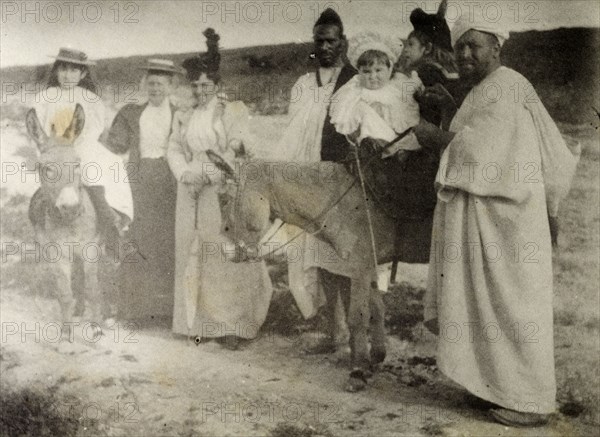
(371, 108)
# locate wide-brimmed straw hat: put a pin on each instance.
(161, 65)
(73, 56)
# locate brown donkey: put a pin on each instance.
(66, 220)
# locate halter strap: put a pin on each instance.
(319, 218)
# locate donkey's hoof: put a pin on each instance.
(377, 356)
(321, 348)
(109, 322)
(356, 382)
(97, 332)
(93, 333)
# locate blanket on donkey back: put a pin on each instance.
(405, 191)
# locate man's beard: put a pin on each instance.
(471, 77)
(328, 61)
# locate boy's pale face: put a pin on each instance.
(69, 75)
(159, 87)
(374, 76)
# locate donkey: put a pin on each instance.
(324, 199)
(66, 218)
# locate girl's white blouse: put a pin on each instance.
(55, 107)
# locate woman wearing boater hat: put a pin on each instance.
(142, 130)
(223, 299)
(69, 84)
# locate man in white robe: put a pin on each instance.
(314, 269)
(504, 168)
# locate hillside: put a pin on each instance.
(563, 65)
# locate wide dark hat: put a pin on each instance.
(433, 25)
(331, 18)
(207, 62)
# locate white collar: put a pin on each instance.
(166, 103)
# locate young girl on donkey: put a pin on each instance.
(69, 84)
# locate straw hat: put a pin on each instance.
(73, 56)
(161, 65)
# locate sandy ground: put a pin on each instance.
(148, 382)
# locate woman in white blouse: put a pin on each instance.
(233, 298)
(146, 275)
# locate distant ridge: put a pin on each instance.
(563, 65)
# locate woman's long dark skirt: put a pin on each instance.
(146, 275)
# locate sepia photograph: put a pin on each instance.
(300, 218)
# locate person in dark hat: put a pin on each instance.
(428, 58)
(142, 130)
(310, 137)
(330, 46)
(428, 52)
(219, 300)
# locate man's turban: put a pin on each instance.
(476, 21)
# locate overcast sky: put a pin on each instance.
(33, 30)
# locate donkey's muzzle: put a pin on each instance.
(68, 203)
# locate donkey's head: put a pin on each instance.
(245, 212)
(59, 164)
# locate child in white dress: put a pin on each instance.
(371, 105)
(372, 111)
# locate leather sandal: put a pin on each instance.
(518, 418)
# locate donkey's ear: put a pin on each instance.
(441, 13)
(76, 126)
(35, 130)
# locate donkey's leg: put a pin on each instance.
(358, 321)
(332, 285)
(377, 327)
(108, 273)
(62, 272)
(77, 285)
(92, 292)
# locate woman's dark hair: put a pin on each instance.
(370, 57)
(207, 62)
(438, 54)
(212, 75)
(87, 82)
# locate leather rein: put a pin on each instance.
(321, 218)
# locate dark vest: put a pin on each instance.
(334, 146)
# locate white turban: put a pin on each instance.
(476, 21)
